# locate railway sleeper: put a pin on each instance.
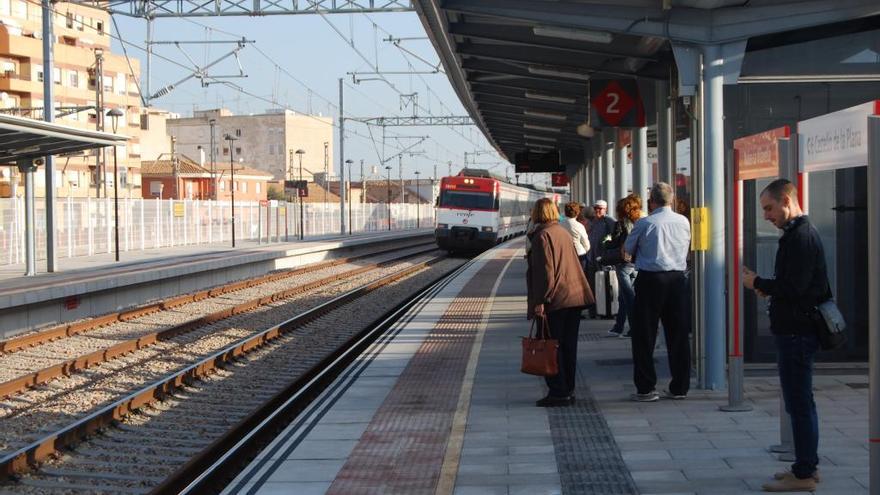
(82, 488)
(67, 474)
(120, 448)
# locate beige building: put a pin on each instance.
(80, 34)
(264, 141)
(155, 140)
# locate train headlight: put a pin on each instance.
(442, 225)
(487, 229)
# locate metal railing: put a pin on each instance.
(85, 225)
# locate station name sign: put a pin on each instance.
(757, 156)
(836, 140)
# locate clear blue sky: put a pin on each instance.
(317, 55)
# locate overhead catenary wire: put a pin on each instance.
(239, 89)
(330, 103)
(128, 44)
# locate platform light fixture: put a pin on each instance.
(585, 130)
(574, 34)
(553, 98)
(540, 146)
(544, 128)
(544, 115)
(539, 138)
(539, 70)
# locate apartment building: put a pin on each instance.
(264, 141)
(81, 34)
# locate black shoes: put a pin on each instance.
(551, 401)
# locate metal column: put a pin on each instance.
(735, 389)
(698, 277)
(27, 169)
(342, 198)
(665, 134)
(149, 79)
(874, 300)
(713, 168)
(49, 116)
(641, 172)
(620, 171)
(607, 190)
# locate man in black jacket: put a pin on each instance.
(600, 228)
(799, 284)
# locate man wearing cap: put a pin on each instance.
(600, 227)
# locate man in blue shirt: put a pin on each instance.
(659, 245)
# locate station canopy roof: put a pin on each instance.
(522, 68)
(22, 138)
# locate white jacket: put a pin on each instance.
(578, 235)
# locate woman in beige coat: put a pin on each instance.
(557, 289)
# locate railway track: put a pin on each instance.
(40, 357)
(189, 413)
(27, 415)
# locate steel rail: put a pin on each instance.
(16, 344)
(25, 458)
(101, 356)
(208, 470)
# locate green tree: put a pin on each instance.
(274, 192)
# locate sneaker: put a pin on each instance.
(790, 484)
(551, 401)
(785, 474)
(624, 334)
(651, 396)
(613, 333)
(669, 395)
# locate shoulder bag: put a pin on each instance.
(539, 350)
(830, 325)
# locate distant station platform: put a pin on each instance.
(438, 405)
(92, 285)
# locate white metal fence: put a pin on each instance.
(84, 226)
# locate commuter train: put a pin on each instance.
(476, 210)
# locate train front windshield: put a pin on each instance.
(468, 200)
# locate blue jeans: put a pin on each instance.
(794, 358)
(626, 276)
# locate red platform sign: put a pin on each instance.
(617, 103)
(559, 179)
(757, 156)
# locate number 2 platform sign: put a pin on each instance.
(616, 103)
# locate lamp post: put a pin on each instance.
(231, 140)
(213, 159)
(302, 234)
(114, 115)
(348, 162)
(418, 201)
(388, 168)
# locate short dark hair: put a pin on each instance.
(779, 188)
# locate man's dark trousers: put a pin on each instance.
(661, 296)
(794, 357)
(564, 325)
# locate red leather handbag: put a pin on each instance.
(539, 350)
